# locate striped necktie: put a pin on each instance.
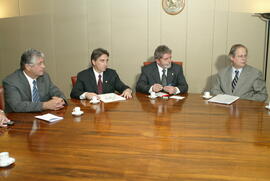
(235, 79)
(35, 96)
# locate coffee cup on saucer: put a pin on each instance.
(206, 95)
(268, 106)
(77, 111)
(5, 160)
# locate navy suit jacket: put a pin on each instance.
(86, 82)
(150, 76)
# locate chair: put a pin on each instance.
(2, 100)
(177, 62)
(73, 80)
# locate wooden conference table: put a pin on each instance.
(142, 139)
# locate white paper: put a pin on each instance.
(223, 99)
(110, 97)
(49, 117)
(177, 97)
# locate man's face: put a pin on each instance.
(240, 58)
(100, 65)
(37, 69)
(165, 61)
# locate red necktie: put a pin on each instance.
(100, 89)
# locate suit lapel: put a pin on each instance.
(26, 86)
(92, 79)
(228, 80)
(155, 73)
(170, 76)
(106, 83)
(241, 80)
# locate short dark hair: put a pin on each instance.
(235, 47)
(29, 57)
(160, 51)
(97, 53)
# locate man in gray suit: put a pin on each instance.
(162, 75)
(30, 89)
(240, 79)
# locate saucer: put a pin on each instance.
(8, 162)
(77, 113)
(152, 97)
(267, 107)
(94, 102)
(207, 97)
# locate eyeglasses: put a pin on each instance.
(241, 56)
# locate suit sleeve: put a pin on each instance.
(260, 92)
(54, 91)
(182, 84)
(14, 100)
(216, 88)
(143, 83)
(119, 85)
(78, 88)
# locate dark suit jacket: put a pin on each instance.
(250, 84)
(150, 76)
(18, 96)
(86, 82)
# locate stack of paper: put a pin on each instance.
(110, 97)
(49, 117)
(223, 99)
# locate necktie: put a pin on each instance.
(35, 96)
(100, 89)
(235, 79)
(163, 79)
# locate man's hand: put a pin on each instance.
(157, 87)
(170, 89)
(3, 119)
(127, 94)
(55, 103)
(90, 95)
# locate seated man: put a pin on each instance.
(30, 89)
(98, 79)
(3, 119)
(240, 79)
(162, 75)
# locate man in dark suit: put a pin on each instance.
(30, 89)
(98, 79)
(240, 79)
(162, 75)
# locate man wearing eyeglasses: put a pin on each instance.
(30, 89)
(240, 79)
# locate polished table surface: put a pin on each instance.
(142, 139)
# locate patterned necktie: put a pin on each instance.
(35, 95)
(163, 79)
(235, 79)
(100, 89)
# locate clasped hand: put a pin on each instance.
(169, 89)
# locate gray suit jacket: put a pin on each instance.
(18, 96)
(250, 84)
(150, 76)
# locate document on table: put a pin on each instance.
(177, 97)
(223, 99)
(162, 94)
(49, 117)
(110, 97)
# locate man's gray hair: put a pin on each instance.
(29, 57)
(160, 51)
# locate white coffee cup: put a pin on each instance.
(206, 94)
(77, 109)
(4, 156)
